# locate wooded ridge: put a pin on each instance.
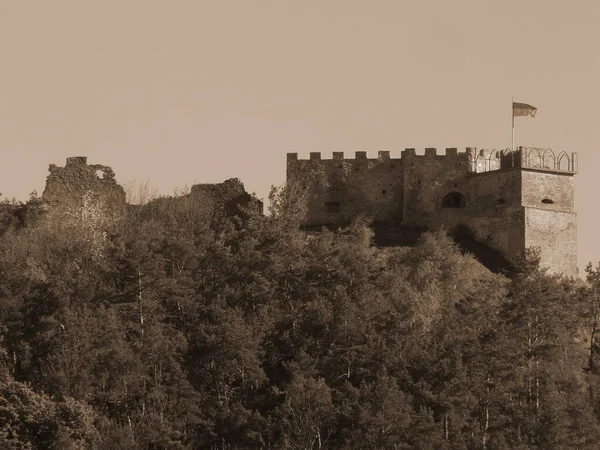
(179, 326)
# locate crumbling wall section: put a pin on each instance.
(68, 187)
(229, 195)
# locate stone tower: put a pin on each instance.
(509, 200)
(548, 209)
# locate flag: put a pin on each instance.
(523, 109)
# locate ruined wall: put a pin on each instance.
(67, 186)
(229, 195)
(340, 188)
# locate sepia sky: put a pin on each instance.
(189, 91)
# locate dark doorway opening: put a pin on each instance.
(454, 200)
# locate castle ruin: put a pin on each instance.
(68, 187)
(510, 200)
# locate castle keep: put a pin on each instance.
(510, 200)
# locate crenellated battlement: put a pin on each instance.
(480, 160)
(383, 155)
(511, 199)
(337, 156)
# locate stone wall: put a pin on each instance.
(549, 190)
(427, 179)
(229, 195)
(499, 196)
(493, 211)
(555, 233)
(550, 222)
(67, 186)
(506, 198)
(340, 188)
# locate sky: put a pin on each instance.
(192, 91)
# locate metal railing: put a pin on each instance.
(528, 157)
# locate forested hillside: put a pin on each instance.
(180, 327)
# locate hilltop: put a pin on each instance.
(180, 323)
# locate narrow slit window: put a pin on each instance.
(548, 201)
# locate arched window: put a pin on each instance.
(454, 200)
(548, 201)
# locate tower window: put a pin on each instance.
(500, 201)
(333, 207)
(454, 200)
(548, 201)
(383, 192)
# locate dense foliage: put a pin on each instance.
(179, 327)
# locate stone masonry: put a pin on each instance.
(510, 200)
(67, 187)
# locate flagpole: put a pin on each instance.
(512, 112)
